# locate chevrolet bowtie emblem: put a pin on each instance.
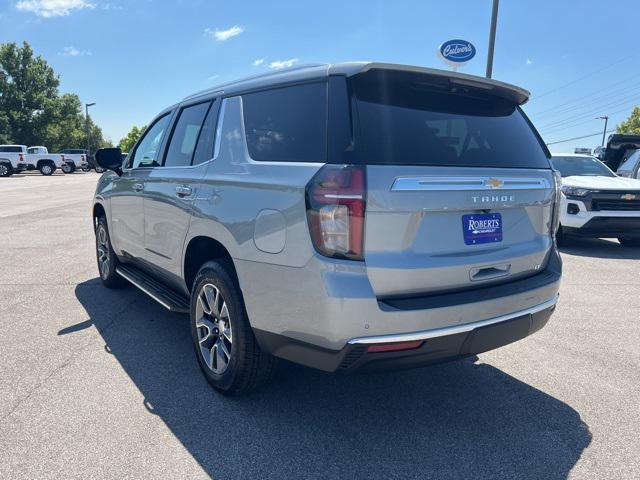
(494, 183)
(628, 196)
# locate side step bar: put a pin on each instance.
(162, 294)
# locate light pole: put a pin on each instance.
(604, 132)
(492, 38)
(86, 119)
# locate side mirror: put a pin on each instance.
(110, 159)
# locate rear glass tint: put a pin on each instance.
(11, 149)
(401, 119)
(287, 124)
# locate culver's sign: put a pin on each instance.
(456, 52)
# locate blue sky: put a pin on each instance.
(580, 59)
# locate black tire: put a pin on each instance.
(6, 170)
(86, 169)
(561, 238)
(68, 168)
(629, 242)
(105, 253)
(99, 169)
(47, 168)
(247, 367)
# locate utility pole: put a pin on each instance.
(86, 119)
(604, 132)
(492, 38)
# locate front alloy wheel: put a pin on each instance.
(107, 260)
(213, 325)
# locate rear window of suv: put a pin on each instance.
(402, 118)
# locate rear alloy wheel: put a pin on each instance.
(213, 326)
(630, 242)
(5, 170)
(227, 351)
(46, 168)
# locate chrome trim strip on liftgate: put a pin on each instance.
(442, 332)
(439, 183)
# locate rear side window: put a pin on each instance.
(400, 118)
(10, 149)
(630, 163)
(287, 124)
(185, 135)
(204, 148)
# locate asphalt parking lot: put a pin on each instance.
(104, 384)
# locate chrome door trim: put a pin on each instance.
(452, 330)
(441, 183)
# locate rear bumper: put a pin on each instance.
(322, 313)
(436, 346)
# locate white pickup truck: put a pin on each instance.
(39, 158)
(74, 158)
(16, 158)
(12, 159)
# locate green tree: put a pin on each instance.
(28, 87)
(32, 112)
(631, 124)
(127, 143)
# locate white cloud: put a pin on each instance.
(53, 8)
(283, 63)
(258, 62)
(529, 61)
(224, 35)
(74, 52)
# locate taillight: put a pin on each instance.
(555, 220)
(335, 211)
(20, 157)
(62, 157)
(82, 158)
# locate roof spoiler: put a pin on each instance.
(514, 94)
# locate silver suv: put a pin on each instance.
(348, 217)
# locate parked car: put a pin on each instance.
(39, 158)
(74, 158)
(12, 159)
(351, 217)
(630, 166)
(617, 146)
(596, 202)
(599, 152)
(20, 158)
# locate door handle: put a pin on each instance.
(138, 187)
(183, 191)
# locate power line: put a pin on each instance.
(627, 93)
(580, 138)
(594, 111)
(570, 102)
(553, 90)
(572, 124)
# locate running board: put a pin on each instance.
(162, 294)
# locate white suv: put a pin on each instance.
(596, 202)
